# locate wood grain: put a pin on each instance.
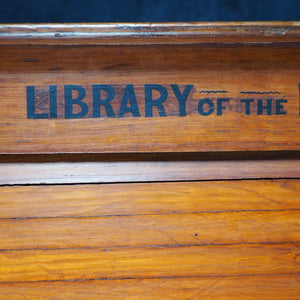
(222, 287)
(150, 230)
(176, 200)
(148, 198)
(150, 262)
(113, 172)
(255, 70)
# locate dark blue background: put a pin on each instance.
(147, 10)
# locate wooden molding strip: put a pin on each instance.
(105, 172)
(149, 33)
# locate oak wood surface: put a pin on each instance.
(151, 230)
(40, 265)
(148, 198)
(222, 287)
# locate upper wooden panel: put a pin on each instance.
(149, 88)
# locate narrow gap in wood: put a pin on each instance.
(147, 182)
(152, 214)
(154, 277)
(107, 249)
(144, 157)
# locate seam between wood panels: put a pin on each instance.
(152, 278)
(108, 249)
(154, 181)
(151, 214)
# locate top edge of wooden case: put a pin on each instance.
(150, 33)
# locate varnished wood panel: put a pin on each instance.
(101, 172)
(222, 287)
(39, 265)
(161, 230)
(230, 67)
(148, 198)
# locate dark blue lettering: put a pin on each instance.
(247, 105)
(210, 105)
(149, 102)
(53, 101)
(31, 114)
(261, 107)
(279, 107)
(98, 102)
(133, 107)
(181, 97)
(220, 106)
(70, 101)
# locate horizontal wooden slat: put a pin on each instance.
(165, 230)
(66, 264)
(100, 172)
(223, 287)
(148, 198)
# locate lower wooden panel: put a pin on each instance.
(221, 287)
(118, 263)
(175, 240)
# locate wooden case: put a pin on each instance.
(150, 161)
